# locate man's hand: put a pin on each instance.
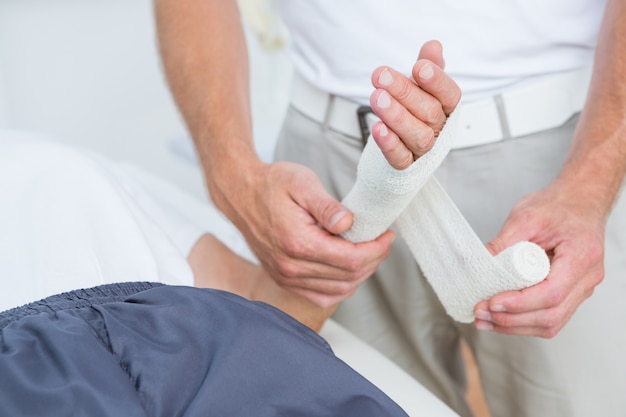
(291, 223)
(571, 229)
(568, 218)
(285, 214)
(412, 111)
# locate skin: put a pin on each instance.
(291, 222)
(413, 111)
(287, 217)
(567, 218)
(215, 266)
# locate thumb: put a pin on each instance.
(495, 245)
(335, 217)
(505, 238)
(433, 51)
(329, 213)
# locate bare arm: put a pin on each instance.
(278, 207)
(215, 266)
(597, 160)
(569, 217)
(206, 63)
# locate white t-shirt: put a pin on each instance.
(488, 44)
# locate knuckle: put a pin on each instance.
(404, 90)
(596, 251)
(433, 114)
(588, 292)
(455, 96)
(344, 288)
(326, 208)
(555, 297)
(395, 117)
(594, 280)
(425, 142)
(287, 269)
(293, 248)
(354, 267)
(325, 301)
(405, 161)
(550, 332)
(552, 319)
(597, 277)
(502, 320)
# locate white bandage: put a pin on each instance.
(454, 260)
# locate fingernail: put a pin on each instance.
(483, 315)
(498, 308)
(426, 72)
(385, 78)
(384, 100)
(338, 216)
(484, 325)
(382, 130)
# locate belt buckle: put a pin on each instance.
(361, 114)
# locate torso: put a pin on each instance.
(488, 46)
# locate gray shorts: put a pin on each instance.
(580, 372)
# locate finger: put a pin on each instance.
(394, 150)
(433, 51)
(550, 293)
(432, 79)
(419, 103)
(442, 87)
(418, 137)
(541, 310)
(516, 331)
(538, 297)
(320, 299)
(325, 285)
(515, 229)
(291, 254)
(328, 256)
(541, 323)
(329, 213)
(361, 259)
(328, 290)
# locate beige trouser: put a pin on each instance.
(579, 373)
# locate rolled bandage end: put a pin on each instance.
(527, 262)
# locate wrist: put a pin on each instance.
(230, 179)
(593, 173)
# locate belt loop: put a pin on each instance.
(361, 113)
(504, 122)
(329, 111)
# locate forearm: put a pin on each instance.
(205, 60)
(215, 266)
(597, 161)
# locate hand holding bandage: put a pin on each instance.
(454, 260)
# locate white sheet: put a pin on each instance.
(67, 223)
(53, 197)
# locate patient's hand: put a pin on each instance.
(412, 111)
(215, 266)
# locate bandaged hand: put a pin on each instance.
(412, 110)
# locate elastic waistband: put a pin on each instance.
(76, 299)
(524, 110)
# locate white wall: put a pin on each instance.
(87, 72)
